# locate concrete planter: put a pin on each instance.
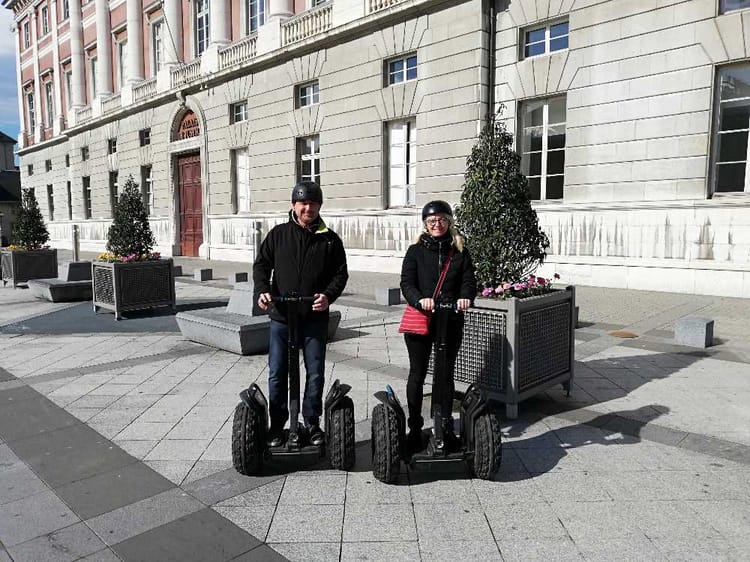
(19, 266)
(516, 348)
(122, 287)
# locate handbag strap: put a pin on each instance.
(443, 273)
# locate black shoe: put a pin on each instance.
(451, 441)
(414, 442)
(276, 438)
(316, 435)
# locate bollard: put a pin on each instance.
(76, 242)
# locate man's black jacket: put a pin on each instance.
(303, 261)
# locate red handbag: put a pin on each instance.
(415, 321)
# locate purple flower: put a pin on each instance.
(486, 292)
(507, 286)
(499, 290)
(542, 281)
(520, 286)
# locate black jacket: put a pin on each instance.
(421, 269)
(303, 261)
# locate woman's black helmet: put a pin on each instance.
(434, 207)
(307, 191)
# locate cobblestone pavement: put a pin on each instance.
(115, 444)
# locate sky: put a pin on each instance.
(9, 122)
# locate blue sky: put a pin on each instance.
(9, 122)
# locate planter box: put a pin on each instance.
(123, 287)
(19, 266)
(518, 347)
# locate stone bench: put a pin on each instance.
(694, 331)
(239, 327)
(73, 284)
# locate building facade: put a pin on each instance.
(631, 119)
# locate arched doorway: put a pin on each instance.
(189, 189)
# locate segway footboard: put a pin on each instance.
(339, 411)
(249, 431)
(388, 436)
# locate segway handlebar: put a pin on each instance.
(292, 298)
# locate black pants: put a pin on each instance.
(420, 348)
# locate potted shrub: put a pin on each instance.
(519, 337)
(129, 276)
(28, 257)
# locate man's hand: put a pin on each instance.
(428, 305)
(320, 302)
(263, 300)
(463, 304)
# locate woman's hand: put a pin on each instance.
(428, 305)
(463, 304)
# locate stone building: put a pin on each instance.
(631, 117)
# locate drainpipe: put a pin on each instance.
(491, 10)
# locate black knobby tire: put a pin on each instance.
(386, 461)
(340, 435)
(247, 445)
(488, 447)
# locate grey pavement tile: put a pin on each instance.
(664, 519)
(595, 519)
(70, 454)
(363, 487)
(94, 401)
(138, 448)
(17, 393)
(104, 555)
(39, 415)
(218, 450)
(104, 492)
(628, 549)
(640, 485)
(228, 484)
(261, 552)
(455, 489)
(524, 520)
(142, 430)
(18, 481)
(4, 557)
(572, 486)
(698, 549)
(458, 551)
(33, 517)
(395, 523)
(203, 535)
(391, 551)
(202, 468)
(540, 461)
(174, 471)
(256, 520)
(695, 485)
(70, 543)
(298, 523)
(134, 519)
(265, 495)
(195, 429)
(6, 376)
(308, 551)
(507, 488)
(451, 523)
(730, 518)
(314, 489)
(560, 549)
(178, 450)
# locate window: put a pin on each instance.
(45, 20)
(238, 112)
(113, 188)
(70, 200)
(51, 203)
(201, 26)
(48, 165)
(84, 153)
(26, 35)
(308, 94)
(50, 103)
(111, 146)
(548, 39)
(144, 137)
(69, 88)
(86, 192)
(93, 77)
(32, 115)
(401, 69)
(308, 159)
(30, 169)
(67, 160)
(730, 173)
(318, 2)
(731, 5)
(157, 46)
(66, 9)
(256, 14)
(240, 180)
(122, 67)
(543, 147)
(402, 163)
(147, 191)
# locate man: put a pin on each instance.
(305, 257)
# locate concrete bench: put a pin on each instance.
(387, 296)
(231, 328)
(694, 331)
(73, 284)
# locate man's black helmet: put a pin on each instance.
(307, 191)
(434, 207)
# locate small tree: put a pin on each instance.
(130, 232)
(29, 230)
(501, 228)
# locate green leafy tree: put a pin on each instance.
(130, 232)
(29, 230)
(495, 214)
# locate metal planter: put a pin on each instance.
(20, 266)
(126, 286)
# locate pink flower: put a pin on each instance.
(542, 281)
(556, 276)
(486, 292)
(520, 286)
(507, 286)
(532, 279)
(499, 290)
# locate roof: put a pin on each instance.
(10, 186)
(6, 139)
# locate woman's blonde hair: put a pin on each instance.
(458, 239)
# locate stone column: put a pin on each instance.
(172, 36)
(283, 8)
(21, 112)
(103, 49)
(135, 42)
(77, 82)
(57, 122)
(219, 31)
(37, 80)
(269, 35)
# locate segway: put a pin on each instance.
(250, 428)
(480, 437)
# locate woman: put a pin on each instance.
(420, 272)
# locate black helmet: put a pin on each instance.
(434, 207)
(307, 191)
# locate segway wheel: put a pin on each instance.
(340, 435)
(488, 447)
(247, 440)
(386, 461)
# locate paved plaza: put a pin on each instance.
(115, 443)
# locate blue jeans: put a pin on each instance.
(312, 340)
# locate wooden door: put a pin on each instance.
(191, 204)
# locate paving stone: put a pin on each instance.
(395, 523)
(363, 487)
(139, 449)
(468, 551)
(17, 481)
(594, 519)
(308, 552)
(260, 552)
(571, 486)
(391, 551)
(178, 450)
(228, 484)
(265, 495)
(524, 520)
(174, 471)
(202, 469)
(256, 520)
(324, 489)
(33, 517)
(141, 430)
(297, 523)
(40, 415)
(630, 549)
(426, 488)
(451, 522)
(559, 549)
(70, 543)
